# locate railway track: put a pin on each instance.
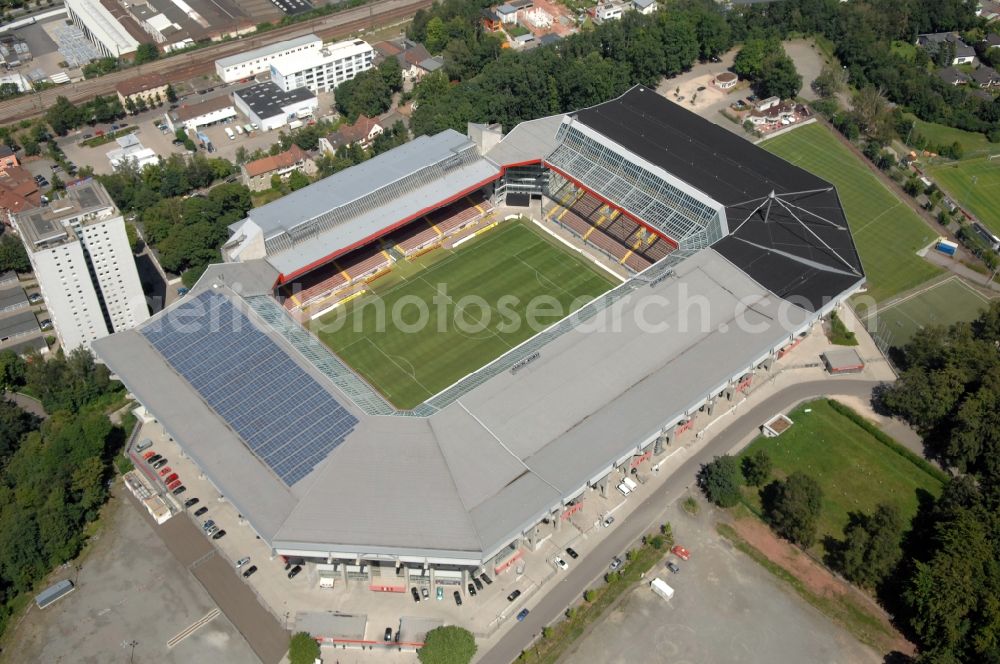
(198, 63)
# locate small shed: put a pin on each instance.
(843, 361)
(776, 426)
(53, 593)
(726, 80)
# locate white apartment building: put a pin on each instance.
(243, 65)
(81, 257)
(325, 69)
(101, 28)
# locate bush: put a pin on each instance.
(657, 542)
(303, 649)
(839, 334)
(720, 480)
(448, 645)
(691, 505)
(589, 595)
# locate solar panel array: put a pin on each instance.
(282, 413)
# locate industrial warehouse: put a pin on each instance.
(326, 463)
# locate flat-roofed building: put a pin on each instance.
(324, 69)
(105, 31)
(83, 261)
(243, 65)
(201, 114)
(270, 107)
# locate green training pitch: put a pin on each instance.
(450, 312)
(854, 469)
(975, 185)
(944, 303)
(886, 231)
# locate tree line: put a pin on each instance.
(53, 473)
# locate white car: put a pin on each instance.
(242, 561)
(560, 563)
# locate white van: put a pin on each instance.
(239, 130)
(627, 486)
(230, 134)
(143, 445)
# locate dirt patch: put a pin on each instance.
(816, 578)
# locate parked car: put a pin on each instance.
(608, 521)
(35, 298)
(161, 463)
(424, 593)
(387, 637)
(672, 566)
(560, 563)
(178, 490)
(458, 598)
(219, 534)
(148, 454)
(207, 525)
(571, 553)
(522, 614)
(46, 324)
(211, 531)
(173, 485)
(415, 593)
(242, 561)
(440, 592)
(680, 552)
(166, 470)
(189, 502)
(153, 459)
(472, 590)
(487, 580)
(478, 583)
(514, 595)
(200, 511)
(616, 562)
(248, 572)
(171, 477)
(294, 572)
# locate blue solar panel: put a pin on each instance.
(282, 413)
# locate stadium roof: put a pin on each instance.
(465, 479)
(301, 213)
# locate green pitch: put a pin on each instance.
(944, 303)
(886, 231)
(437, 318)
(975, 185)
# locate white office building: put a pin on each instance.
(269, 107)
(81, 257)
(101, 28)
(325, 69)
(244, 65)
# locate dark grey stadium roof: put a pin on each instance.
(797, 243)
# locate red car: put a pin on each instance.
(171, 478)
(148, 453)
(166, 471)
(173, 485)
(681, 552)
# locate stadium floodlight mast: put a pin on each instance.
(791, 208)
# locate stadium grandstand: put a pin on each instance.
(323, 467)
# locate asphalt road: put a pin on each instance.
(627, 531)
(267, 638)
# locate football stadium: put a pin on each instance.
(369, 377)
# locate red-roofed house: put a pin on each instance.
(257, 174)
(18, 192)
(363, 132)
(7, 158)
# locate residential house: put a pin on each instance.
(986, 77)
(148, 87)
(257, 174)
(507, 14)
(7, 158)
(362, 132)
(18, 192)
(952, 76)
(644, 6)
(491, 21)
(989, 10)
(607, 12)
(414, 58)
(963, 54)
(992, 40)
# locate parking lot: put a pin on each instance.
(726, 608)
(130, 588)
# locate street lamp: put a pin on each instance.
(131, 646)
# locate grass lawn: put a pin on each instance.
(450, 312)
(855, 470)
(973, 143)
(975, 185)
(887, 232)
(944, 303)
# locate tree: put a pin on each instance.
(778, 78)
(171, 93)
(302, 649)
(757, 468)
(435, 35)
(146, 52)
(831, 80)
(62, 116)
(134, 241)
(720, 480)
(14, 422)
(297, 180)
(792, 507)
(870, 548)
(13, 255)
(447, 645)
